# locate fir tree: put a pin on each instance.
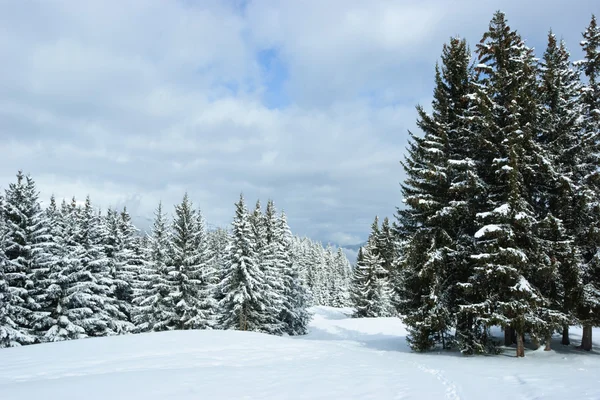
(60, 289)
(10, 334)
(155, 310)
(560, 134)
(207, 304)
(184, 269)
(508, 252)
(294, 313)
(246, 297)
(438, 193)
(588, 236)
(24, 233)
(371, 294)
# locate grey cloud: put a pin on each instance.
(129, 101)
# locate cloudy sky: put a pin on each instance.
(306, 101)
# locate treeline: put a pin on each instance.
(69, 271)
(501, 224)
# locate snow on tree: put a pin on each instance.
(371, 293)
(10, 334)
(434, 226)
(219, 244)
(246, 295)
(294, 314)
(560, 134)
(24, 238)
(207, 276)
(184, 267)
(508, 252)
(155, 310)
(588, 236)
(273, 263)
(93, 294)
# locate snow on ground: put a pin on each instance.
(341, 358)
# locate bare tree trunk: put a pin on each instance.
(565, 336)
(520, 345)
(586, 339)
(548, 342)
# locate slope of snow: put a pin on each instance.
(341, 358)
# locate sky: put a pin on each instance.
(306, 102)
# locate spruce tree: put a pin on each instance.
(370, 293)
(208, 277)
(273, 263)
(86, 239)
(155, 310)
(508, 249)
(244, 287)
(560, 134)
(10, 334)
(294, 311)
(60, 286)
(24, 234)
(185, 268)
(588, 236)
(438, 192)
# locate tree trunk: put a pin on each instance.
(565, 336)
(586, 339)
(520, 345)
(548, 343)
(508, 336)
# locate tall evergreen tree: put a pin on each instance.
(60, 288)
(24, 234)
(246, 296)
(371, 293)
(155, 309)
(294, 311)
(438, 192)
(508, 250)
(588, 236)
(185, 268)
(560, 134)
(10, 334)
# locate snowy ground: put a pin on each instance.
(341, 358)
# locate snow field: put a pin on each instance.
(341, 358)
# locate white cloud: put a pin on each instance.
(139, 101)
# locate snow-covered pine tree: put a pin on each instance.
(371, 293)
(219, 247)
(60, 286)
(294, 314)
(246, 294)
(436, 192)
(155, 310)
(273, 263)
(24, 237)
(341, 280)
(85, 236)
(386, 243)
(116, 237)
(508, 250)
(207, 276)
(184, 268)
(10, 334)
(560, 134)
(588, 237)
